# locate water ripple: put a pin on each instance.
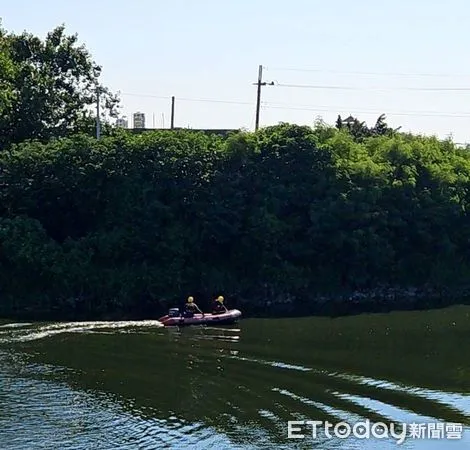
(199, 388)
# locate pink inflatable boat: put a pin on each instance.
(173, 318)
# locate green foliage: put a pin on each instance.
(132, 223)
(361, 131)
(7, 75)
(47, 87)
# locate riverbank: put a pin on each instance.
(382, 299)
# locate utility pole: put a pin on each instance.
(258, 96)
(172, 112)
(98, 121)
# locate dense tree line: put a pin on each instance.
(131, 224)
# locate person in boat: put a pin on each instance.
(190, 308)
(218, 306)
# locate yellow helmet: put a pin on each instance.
(220, 299)
(190, 299)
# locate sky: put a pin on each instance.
(358, 57)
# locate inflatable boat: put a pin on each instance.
(173, 318)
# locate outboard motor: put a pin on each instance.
(174, 312)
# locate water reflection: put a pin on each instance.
(137, 385)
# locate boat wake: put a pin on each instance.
(24, 332)
(237, 389)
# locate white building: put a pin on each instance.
(139, 120)
(122, 122)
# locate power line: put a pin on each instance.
(391, 113)
(303, 107)
(396, 74)
(188, 99)
(333, 107)
(355, 88)
(165, 97)
(208, 100)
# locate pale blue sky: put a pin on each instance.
(209, 49)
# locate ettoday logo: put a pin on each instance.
(379, 430)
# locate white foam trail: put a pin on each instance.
(274, 364)
(15, 325)
(79, 327)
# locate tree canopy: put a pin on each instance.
(359, 130)
(47, 87)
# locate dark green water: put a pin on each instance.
(124, 385)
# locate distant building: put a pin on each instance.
(349, 120)
(139, 120)
(122, 123)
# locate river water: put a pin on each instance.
(137, 385)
